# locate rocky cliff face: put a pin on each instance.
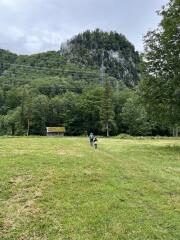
(118, 55)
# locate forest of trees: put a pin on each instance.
(140, 95)
(160, 86)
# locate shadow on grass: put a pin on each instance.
(168, 149)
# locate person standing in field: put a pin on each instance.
(95, 142)
(91, 137)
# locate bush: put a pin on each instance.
(123, 136)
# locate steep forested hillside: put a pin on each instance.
(65, 88)
(45, 90)
(118, 54)
(6, 57)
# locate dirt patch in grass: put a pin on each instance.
(17, 179)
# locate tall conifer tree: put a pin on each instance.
(107, 109)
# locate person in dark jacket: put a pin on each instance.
(95, 142)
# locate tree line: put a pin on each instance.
(29, 108)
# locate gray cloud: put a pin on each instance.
(30, 26)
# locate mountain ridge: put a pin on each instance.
(119, 57)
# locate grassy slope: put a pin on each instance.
(62, 189)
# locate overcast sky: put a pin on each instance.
(31, 26)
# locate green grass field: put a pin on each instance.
(127, 189)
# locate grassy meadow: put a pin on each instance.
(61, 188)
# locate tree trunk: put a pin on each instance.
(175, 131)
(13, 129)
(28, 126)
(107, 129)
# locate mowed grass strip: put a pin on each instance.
(61, 188)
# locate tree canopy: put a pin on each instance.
(161, 85)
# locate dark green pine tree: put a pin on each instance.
(107, 109)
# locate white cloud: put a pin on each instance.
(51, 37)
(33, 43)
(7, 2)
(16, 33)
(28, 26)
(12, 4)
